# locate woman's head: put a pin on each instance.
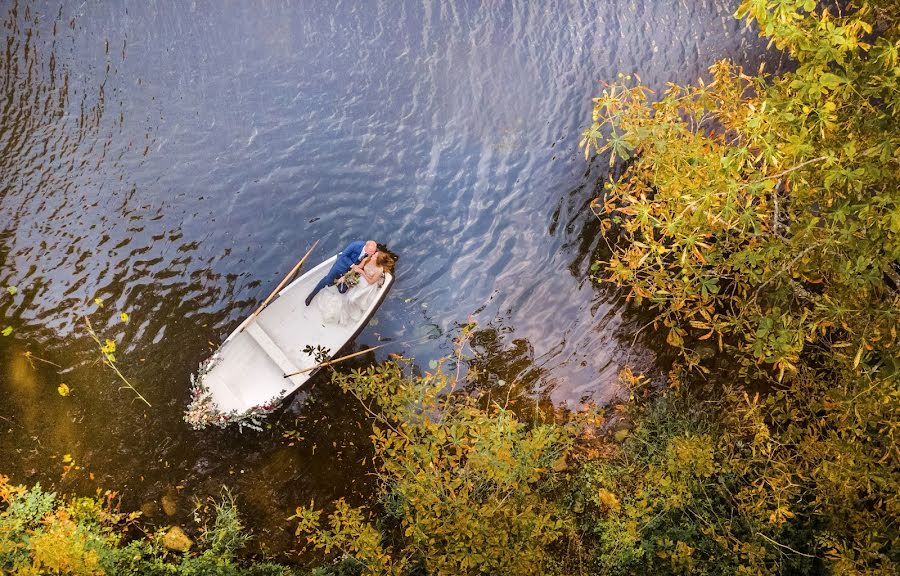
(385, 260)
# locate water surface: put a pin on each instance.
(175, 159)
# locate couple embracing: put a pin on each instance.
(352, 283)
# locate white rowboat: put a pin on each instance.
(248, 371)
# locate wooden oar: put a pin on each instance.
(336, 360)
(280, 286)
(342, 358)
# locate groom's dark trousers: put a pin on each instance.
(347, 258)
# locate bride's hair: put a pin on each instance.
(386, 261)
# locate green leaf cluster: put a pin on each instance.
(748, 484)
(465, 488)
(41, 533)
(763, 212)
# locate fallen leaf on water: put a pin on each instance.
(12, 290)
(63, 389)
(67, 458)
(98, 302)
(124, 317)
(91, 475)
(7, 331)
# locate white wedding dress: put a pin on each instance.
(348, 308)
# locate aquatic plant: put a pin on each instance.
(107, 351)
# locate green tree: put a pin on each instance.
(465, 489)
(763, 212)
(745, 484)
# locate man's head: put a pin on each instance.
(371, 247)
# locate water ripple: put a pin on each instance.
(175, 159)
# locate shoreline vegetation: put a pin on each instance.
(756, 214)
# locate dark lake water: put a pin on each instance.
(175, 159)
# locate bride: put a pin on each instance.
(349, 307)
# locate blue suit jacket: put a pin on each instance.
(348, 257)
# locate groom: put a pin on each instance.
(352, 254)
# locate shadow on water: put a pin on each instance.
(173, 161)
(638, 347)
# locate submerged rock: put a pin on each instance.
(175, 539)
(169, 506)
(149, 509)
(706, 350)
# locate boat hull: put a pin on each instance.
(248, 371)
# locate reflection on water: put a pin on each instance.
(174, 160)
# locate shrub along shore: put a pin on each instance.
(756, 213)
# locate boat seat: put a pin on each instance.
(272, 350)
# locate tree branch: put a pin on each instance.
(775, 216)
(783, 270)
(784, 546)
(785, 172)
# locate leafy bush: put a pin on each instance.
(43, 534)
(745, 485)
(465, 489)
(38, 536)
(763, 213)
